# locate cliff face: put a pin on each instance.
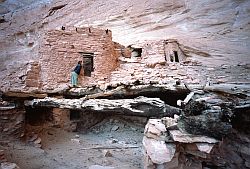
(214, 32)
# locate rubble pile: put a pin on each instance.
(165, 146)
(199, 137)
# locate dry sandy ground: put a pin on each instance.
(66, 150)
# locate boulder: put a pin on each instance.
(158, 151)
(155, 129)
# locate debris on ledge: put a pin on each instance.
(165, 147)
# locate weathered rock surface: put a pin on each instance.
(181, 137)
(140, 106)
(12, 122)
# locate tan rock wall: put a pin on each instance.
(59, 54)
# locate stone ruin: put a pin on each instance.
(193, 118)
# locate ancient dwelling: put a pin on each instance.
(159, 50)
(168, 49)
(60, 50)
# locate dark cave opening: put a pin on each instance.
(75, 115)
(169, 97)
(241, 120)
(86, 119)
(38, 116)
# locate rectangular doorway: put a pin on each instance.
(88, 63)
(176, 58)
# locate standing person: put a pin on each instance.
(75, 73)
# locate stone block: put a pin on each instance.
(181, 137)
(158, 151)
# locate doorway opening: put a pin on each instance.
(176, 58)
(88, 63)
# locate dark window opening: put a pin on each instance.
(176, 58)
(75, 115)
(137, 52)
(88, 63)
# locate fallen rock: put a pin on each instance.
(114, 128)
(38, 140)
(155, 126)
(158, 151)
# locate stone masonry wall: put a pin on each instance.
(160, 51)
(33, 74)
(170, 46)
(152, 67)
(59, 54)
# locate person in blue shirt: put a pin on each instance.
(75, 73)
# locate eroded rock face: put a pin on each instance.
(12, 122)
